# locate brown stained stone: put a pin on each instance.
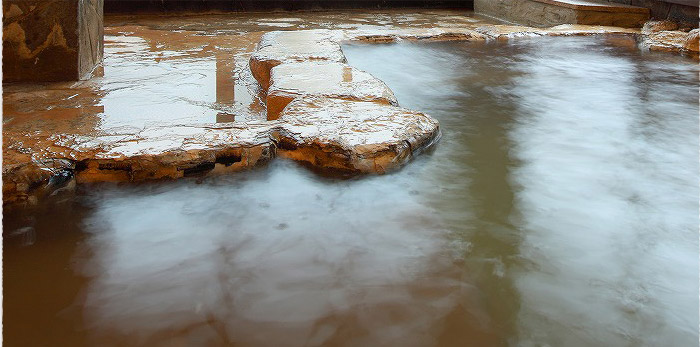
(672, 41)
(277, 47)
(20, 180)
(136, 155)
(587, 5)
(170, 152)
(547, 13)
(663, 25)
(415, 34)
(51, 40)
(353, 136)
(506, 32)
(665, 40)
(322, 78)
(53, 129)
(691, 41)
(583, 30)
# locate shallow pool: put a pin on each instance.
(560, 208)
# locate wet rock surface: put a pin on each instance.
(547, 13)
(330, 79)
(152, 108)
(51, 40)
(130, 155)
(279, 46)
(353, 136)
(415, 34)
(332, 115)
(663, 25)
(692, 41)
(670, 40)
(506, 32)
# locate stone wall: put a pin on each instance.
(51, 40)
(684, 11)
(525, 12)
(542, 13)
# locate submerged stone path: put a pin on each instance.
(320, 111)
(339, 117)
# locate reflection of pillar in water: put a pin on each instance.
(225, 117)
(224, 86)
(347, 74)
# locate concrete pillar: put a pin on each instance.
(51, 40)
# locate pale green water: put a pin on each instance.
(560, 208)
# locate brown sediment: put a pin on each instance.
(68, 129)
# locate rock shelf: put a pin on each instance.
(329, 79)
(151, 153)
(332, 115)
(278, 47)
(320, 111)
(351, 135)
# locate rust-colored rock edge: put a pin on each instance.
(155, 153)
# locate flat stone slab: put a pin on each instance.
(167, 152)
(323, 78)
(672, 41)
(415, 34)
(506, 32)
(278, 47)
(352, 136)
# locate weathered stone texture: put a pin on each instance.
(134, 155)
(47, 40)
(90, 35)
(663, 25)
(672, 41)
(331, 115)
(353, 136)
(692, 41)
(683, 11)
(330, 79)
(546, 13)
(323, 129)
(277, 47)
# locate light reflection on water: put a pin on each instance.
(559, 208)
(615, 246)
(209, 83)
(305, 259)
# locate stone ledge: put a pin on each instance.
(277, 47)
(547, 13)
(353, 136)
(592, 6)
(329, 79)
(34, 162)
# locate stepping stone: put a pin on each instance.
(323, 78)
(277, 47)
(352, 136)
